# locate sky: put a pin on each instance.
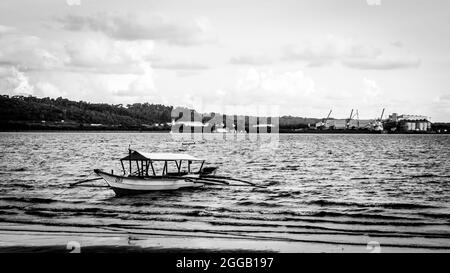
(289, 57)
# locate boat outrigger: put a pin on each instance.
(141, 173)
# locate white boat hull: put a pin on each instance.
(135, 185)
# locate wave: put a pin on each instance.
(322, 202)
(42, 213)
(428, 175)
(346, 214)
(7, 212)
(20, 185)
(286, 194)
(21, 169)
(261, 204)
(28, 199)
(261, 227)
(444, 216)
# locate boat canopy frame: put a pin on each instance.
(144, 163)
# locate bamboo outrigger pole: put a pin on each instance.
(206, 178)
(84, 181)
(233, 179)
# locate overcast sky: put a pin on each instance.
(307, 57)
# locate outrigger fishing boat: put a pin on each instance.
(176, 171)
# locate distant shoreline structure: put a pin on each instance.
(22, 114)
(311, 132)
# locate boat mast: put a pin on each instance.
(129, 156)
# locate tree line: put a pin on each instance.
(28, 112)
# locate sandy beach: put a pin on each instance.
(16, 238)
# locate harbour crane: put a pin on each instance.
(379, 122)
(348, 120)
(322, 124)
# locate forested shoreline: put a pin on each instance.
(28, 113)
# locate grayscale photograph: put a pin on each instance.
(209, 126)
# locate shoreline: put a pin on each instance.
(312, 132)
(36, 238)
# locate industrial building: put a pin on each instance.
(353, 123)
(410, 123)
(395, 123)
(347, 124)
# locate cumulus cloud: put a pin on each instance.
(103, 55)
(28, 52)
(94, 66)
(348, 52)
(133, 26)
(95, 53)
(15, 82)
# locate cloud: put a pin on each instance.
(139, 86)
(251, 59)
(103, 55)
(264, 87)
(28, 52)
(397, 44)
(348, 52)
(92, 67)
(372, 90)
(271, 83)
(383, 63)
(5, 30)
(15, 82)
(132, 26)
(442, 102)
(444, 98)
(47, 89)
(90, 54)
(178, 65)
(327, 50)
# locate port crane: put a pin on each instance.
(349, 119)
(378, 126)
(322, 124)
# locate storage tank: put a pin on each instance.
(408, 126)
(422, 126)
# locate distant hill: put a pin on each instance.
(31, 113)
(292, 123)
(20, 112)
